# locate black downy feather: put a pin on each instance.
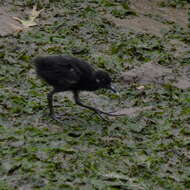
(66, 73)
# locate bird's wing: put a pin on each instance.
(57, 70)
(67, 74)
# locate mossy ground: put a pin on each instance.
(147, 151)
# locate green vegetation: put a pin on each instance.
(174, 3)
(149, 151)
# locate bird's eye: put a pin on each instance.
(72, 70)
(98, 80)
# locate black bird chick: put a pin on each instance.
(66, 73)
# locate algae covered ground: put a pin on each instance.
(148, 148)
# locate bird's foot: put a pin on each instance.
(108, 113)
(99, 114)
(56, 118)
(61, 118)
(113, 113)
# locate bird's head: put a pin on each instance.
(103, 80)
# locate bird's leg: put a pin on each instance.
(97, 111)
(50, 103)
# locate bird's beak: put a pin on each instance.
(113, 90)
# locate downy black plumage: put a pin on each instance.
(66, 73)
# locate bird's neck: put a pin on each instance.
(92, 85)
(89, 84)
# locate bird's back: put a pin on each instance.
(62, 71)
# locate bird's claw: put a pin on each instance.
(99, 114)
(56, 118)
(61, 118)
(109, 113)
